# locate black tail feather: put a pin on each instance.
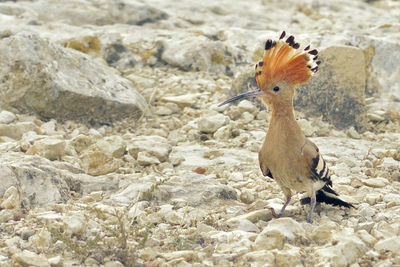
(328, 196)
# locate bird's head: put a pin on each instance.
(283, 67)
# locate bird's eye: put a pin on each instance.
(276, 88)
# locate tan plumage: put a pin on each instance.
(287, 155)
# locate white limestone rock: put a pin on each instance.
(56, 82)
(289, 256)
(278, 232)
(306, 127)
(210, 124)
(55, 261)
(378, 182)
(30, 258)
(11, 199)
(390, 244)
(223, 133)
(197, 53)
(74, 224)
(145, 159)
(52, 148)
(132, 192)
(41, 240)
(257, 215)
(81, 142)
(188, 100)
(7, 117)
(242, 225)
(113, 264)
(49, 128)
(247, 117)
(41, 181)
(187, 255)
(260, 257)
(103, 156)
(348, 250)
(246, 105)
(153, 145)
(16, 130)
(169, 215)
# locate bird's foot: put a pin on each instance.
(280, 214)
(309, 218)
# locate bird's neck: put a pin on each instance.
(283, 119)
(282, 111)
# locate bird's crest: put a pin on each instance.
(283, 60)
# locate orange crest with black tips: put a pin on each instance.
(284, 61)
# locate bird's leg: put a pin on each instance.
(288, 194)
(312, 203)
(288, 198)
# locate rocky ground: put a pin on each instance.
(115, 153)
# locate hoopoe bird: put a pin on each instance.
(287, 156)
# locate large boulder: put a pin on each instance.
(336, 91)
(54, 82)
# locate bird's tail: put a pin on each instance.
(327, 195)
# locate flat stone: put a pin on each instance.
(132, 192)
(113, 264)
(243, 225)
(366, 237)
(29, 258)
(390, 244)
(378, 182)
(16, 130)
(153, 145)
(50, 148)
(182, 100)
(257, 215)
(145, 159)
(46, 182)
(187, 255)
(375, 117)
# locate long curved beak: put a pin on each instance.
(247, 94)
